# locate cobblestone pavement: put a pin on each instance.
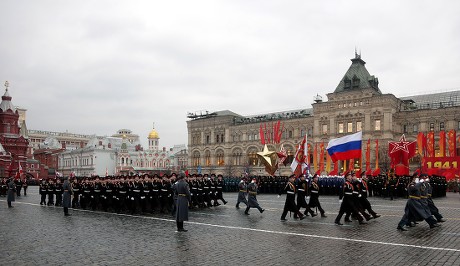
(31, 234)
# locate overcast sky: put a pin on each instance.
(93, 67)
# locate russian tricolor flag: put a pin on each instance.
(346, 147)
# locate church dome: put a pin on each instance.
(154, 134)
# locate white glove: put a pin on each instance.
(279, 196)
(340, 201)
(359, 196)
(422, 180)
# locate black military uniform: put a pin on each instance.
(290, 205)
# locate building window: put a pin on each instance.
(302, 132)
(359, 126)
(349, 127)
(217, 138)
(290, 134)
(252, 158)
(220, 158)
(431, 126)
(250, 137)
(441, 126)
(324, 129)
(340, 127)
(377, 124)
(415, 128)
(458, 125)
(404, 128)
(207, 139)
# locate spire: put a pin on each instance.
(6, 100)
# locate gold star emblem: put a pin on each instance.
(269, 160)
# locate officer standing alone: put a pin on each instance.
(67, 190)
(182, 192)
(11, 191)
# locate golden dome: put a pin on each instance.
(154, 134)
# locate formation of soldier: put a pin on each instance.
(420, 205)
(386, 186)
(353, 200)
(134, 194)
(20, 185)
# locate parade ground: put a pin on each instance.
(38, 235)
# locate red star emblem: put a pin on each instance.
(402, 145)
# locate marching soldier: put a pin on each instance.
(252, 197)
(219, 189)
(363, 198)
(425, 197)
(290, 205)
(242, 192)
(414, 210)
(314, 196)
(302, 188)
(347, 202)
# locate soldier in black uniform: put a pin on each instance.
(24, 186)
(302, 190)
(347, 202)
(58, 192)
(50, 191)
(76, 191)
(290, 205)
(314, 196)
(43, 190)
(18, 184)
(366, 205)
(219, 189)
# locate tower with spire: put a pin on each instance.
(14, 144)
(154, 139)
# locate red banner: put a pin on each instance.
(447, 166)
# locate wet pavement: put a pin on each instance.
(31, 234)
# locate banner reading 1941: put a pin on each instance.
(447, 166)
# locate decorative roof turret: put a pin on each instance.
(357, 77)
(6, 103)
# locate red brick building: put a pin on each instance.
(14, 144)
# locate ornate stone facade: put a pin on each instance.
(226, 143)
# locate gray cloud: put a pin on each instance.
(94, 67)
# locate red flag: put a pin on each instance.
(377, 155)
(421, 144)
(336, 169)
(315, 156)
(368, 156)
(442, 143)
(282, 155)
(186, 172)
(262, 136)
(430, 144)
(298, 164)
(452, 143)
